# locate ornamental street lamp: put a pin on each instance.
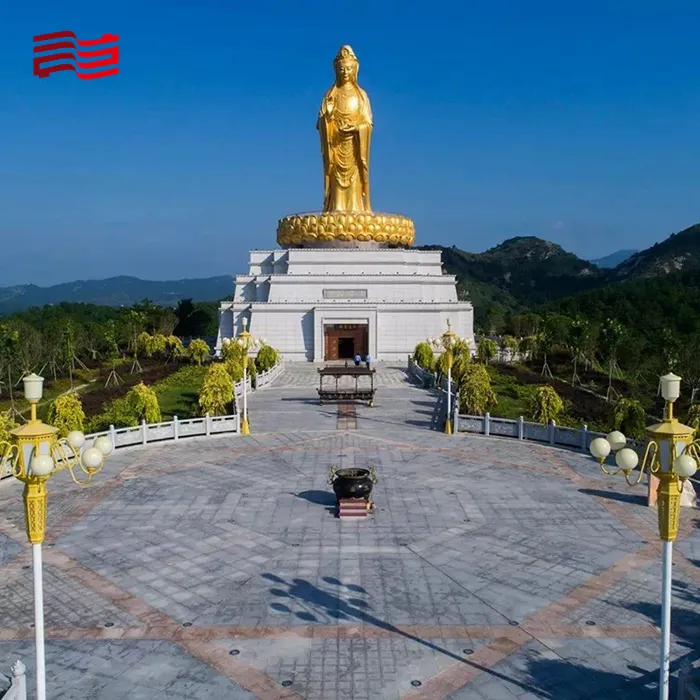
(446, 343)
(672, 456)
(33, 456)
(246, 342)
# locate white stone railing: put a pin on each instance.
(521, 429)
(425, 378)
(18, 683)
(264, 379)
(176, 429)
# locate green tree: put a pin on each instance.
(546, 404)
(198, 351)
(459, 364)
(267, 358)
(216, 395)
(143, 402)
(475, 393)
(424, 356)
(486, 350)
(629, 417)
(66, 413)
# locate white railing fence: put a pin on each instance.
(18, 683)
(521, 429)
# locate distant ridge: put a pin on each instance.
(614, 259)
(115, 291)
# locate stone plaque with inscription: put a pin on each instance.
(344, 293)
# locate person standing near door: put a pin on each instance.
(358, 359)
(368, 360)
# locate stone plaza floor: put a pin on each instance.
(490, 569)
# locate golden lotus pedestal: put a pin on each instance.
(345, 229)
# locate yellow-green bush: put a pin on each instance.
(630, 417)
(6, 424)
(143, 402)
(475, 393)
(198, 351)
(546, 404)
(66, 413)
(267, 358)
(424, 356)
(486, 350)
(217, 390)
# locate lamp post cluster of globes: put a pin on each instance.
(34, 454)
(446, 343)
(671, 456)
(246, 342)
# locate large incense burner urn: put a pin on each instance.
(352, 482)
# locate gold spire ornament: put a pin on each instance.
(345, 128)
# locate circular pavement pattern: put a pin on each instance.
(490, 568)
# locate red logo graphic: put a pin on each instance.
(51, 53)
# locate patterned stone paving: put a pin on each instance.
(490, 568)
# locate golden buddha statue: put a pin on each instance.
(345, 125)
(347, 220)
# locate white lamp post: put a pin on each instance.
(34, 455)
(671, 455)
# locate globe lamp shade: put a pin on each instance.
(600, 448)
(627, 459)
(617, 440)
(92, 458)
(41, 465)
(75, 439)
(670, 386)
(685, 466)
(104, 445)
(226, 341)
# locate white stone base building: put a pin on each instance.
(319, 304)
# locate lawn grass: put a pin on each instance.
(178, 394)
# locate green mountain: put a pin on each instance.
(115, 291)
(527, 271)
(519, 272)
(613, 260)
(679, 252)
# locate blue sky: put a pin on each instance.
(576, 122)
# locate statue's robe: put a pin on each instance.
(345, 155)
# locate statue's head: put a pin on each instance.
(346, 66)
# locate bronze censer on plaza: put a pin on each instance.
(352, 482)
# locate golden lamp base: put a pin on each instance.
(391, 229)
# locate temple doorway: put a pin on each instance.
(342, 341)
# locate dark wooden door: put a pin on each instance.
(331, 344)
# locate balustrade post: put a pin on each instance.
(207, 425)
(176, 428)
(455, 421)
(113, 435)
(521, 428)
(584, 438)
(144, 432)
(487, 424)
(552, 431)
